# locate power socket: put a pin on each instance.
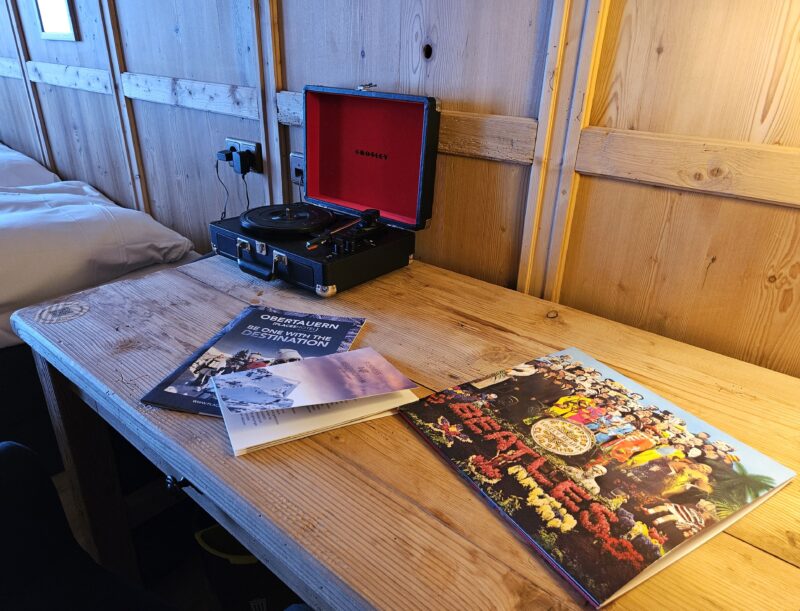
(237, 144)
(297, 168)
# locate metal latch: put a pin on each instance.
(278, 257)
(242, 245)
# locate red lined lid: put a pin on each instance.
(364, 150)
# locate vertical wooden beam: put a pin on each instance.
(573, 44)
(541, 175)
(33, 99)
(266, 25)
(89, 463)
(127, 120)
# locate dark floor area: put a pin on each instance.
(172, 562)
(175, 566)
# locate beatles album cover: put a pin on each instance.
(258, 337)
(603, 477)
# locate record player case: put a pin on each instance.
(370, 161)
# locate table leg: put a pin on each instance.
(85, 446)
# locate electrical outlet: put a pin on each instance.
(297, 168)
(237, 144)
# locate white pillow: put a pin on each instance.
(17, 170)
(63, 237)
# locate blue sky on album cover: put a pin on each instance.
(755, 460)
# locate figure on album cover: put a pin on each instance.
(588, 467)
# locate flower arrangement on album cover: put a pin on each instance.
(258, 337)
(602, 476)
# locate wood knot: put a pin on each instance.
(715, 172)
(698, 176)
(552, 314)
(773, 278)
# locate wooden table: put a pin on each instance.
(368, 515)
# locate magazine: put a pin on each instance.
(608, 481)
(258, 337)
(262, 407)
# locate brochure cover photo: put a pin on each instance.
(327, 379)
(607, 480)
(271, 405)
(258, 337)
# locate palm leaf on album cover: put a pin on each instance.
(738, 488)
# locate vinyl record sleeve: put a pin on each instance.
(604, 478)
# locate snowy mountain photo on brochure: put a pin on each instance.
(325, 379)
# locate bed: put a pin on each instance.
(58, 237)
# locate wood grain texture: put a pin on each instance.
(270, 69)
(178, 147)
(290, 108)
(726, 69)
(486, 58)
(190, 44)
(719, 273)
(85, 445)
(211, 97)
(416, 535)
(8, 46)
(28, 112)
(10, 68)
(84, 135)
(766, 173)
(87, 52)
(132, 150)
(494, 137)
(468, 134)
(576, 31)
(473, 231)
(184, 39)
(708, 270)
(17, 129)
(74, 77)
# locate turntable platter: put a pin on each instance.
(290, 219)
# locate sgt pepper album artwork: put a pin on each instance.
(607, 480)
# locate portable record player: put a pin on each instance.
(370, 166)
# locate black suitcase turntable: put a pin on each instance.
(370, 167)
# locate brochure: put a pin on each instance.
(258, 337)
(271, 405)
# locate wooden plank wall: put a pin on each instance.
(17, 127)
(140, 103)
(486, 58)
(78, 109)
(165, 82)
(631, 158)
(685, 217)
(184, 78)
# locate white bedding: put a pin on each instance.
(17, 170)
(62, 237)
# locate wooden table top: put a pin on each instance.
(369, 515)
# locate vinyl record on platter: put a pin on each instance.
(296, 218)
